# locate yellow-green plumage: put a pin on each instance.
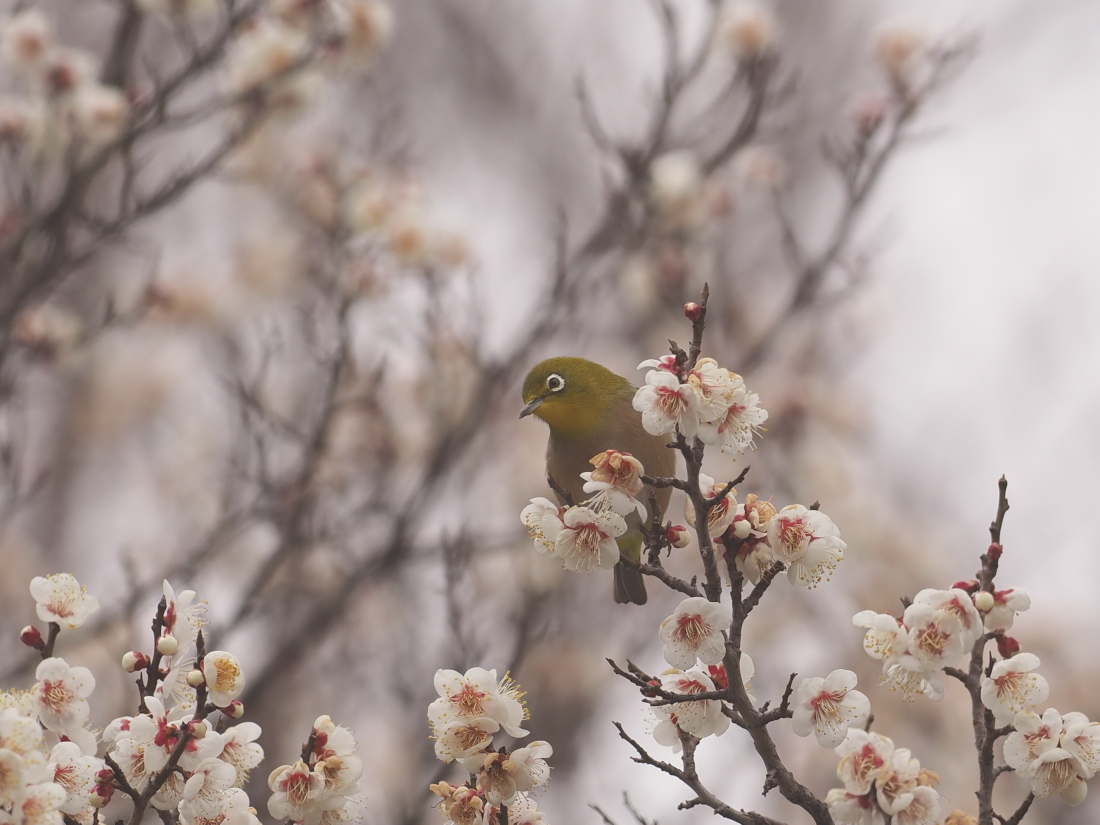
(592, 412)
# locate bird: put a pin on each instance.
(588, 409)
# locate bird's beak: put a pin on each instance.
(531, 406)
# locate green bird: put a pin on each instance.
(589, 410)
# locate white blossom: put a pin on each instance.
(224, 677)
(616, 480)
(61, 695)
(1012, 687)
(828, 706)
(911, 677)
(75, 772)
(694, 632)
(699, 717)
(935, 636)
(806, 541)
(864, 758)
(1033, 735)
(476, 694)
(587, 538)
(1006, 604)
(886, 637)
(666, 404)
(542, 518)
(62, 599)
(296, 792)
(240, 749)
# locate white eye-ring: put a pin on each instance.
(555, 383)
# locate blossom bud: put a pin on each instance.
(134, 661)
(970, 586)
(104, 778)
(748, 30)
(655, 683)
(984, 601)
(97, 799)
(167, 645)
(994, 551)
(741, 527)
(678, 535)
(196, 678)
(31, 636)
(1007, 647)
(1075, 794)
(234, 710)
(199, 729)
(693, 311)
(719, 676)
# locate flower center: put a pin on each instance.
(692, 630)
(56, 696)
(469, 701)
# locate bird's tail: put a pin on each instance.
(629, 581)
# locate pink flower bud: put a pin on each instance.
(970, 586)
(105, 778)
(984, 601)
(692, 311)
(167, 645)
(234, 710)
(31, 636)
(719, 676)
(196, 678)
(678, 535)
(1007, 647)
(994, 551)
(134, 661)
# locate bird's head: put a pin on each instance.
(573, 395)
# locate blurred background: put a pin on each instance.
(264, 314)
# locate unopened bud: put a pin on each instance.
(97, 799)
(984, 601)
(199, 729)
(167, 645)
(1007, 647)
(994, 551)
(719, 676)
(134, 661)
(196, 678)
(693, 311)
(234, 710)
(104, 778)
(654, 683)
(678, 535)
(1075, 794)
(970, 586)
(31, 636)
(741, 527)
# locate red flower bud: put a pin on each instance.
(31, 636)
(718, 676)
(1007, 647)
(693, 311)
(994, 551)
(970, 586)
(651, 693)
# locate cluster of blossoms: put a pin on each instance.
(277, 62)
(756, 536)
(937, 631)
(53, 763)
(322, 786)
(707, 401)
(881, 783)
(471, 708)
(583, 535)
(62, 103)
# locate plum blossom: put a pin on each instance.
(542, 518)
(206, 785)
(616, 481)
(848, 808)
(1033, 736)
(240, 749)
(666, 404)
(935, 636)
(587, 538)
(1053, 771)
(959, 604)
(886, 636)
(41, 804)
(1012, 687)
(502, 775)
(806, 541)
(1006, 604)
(224, 677)
(828, 706)
(864, 758)
(296, 791)
(737, 426)
(721, 515)
(697, 717)
(61, 695)
(911, 677)
(694, 632)
(476, 694)
(1081, 738)
(75, 773)
(62, 599)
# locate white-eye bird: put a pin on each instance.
(589, 410)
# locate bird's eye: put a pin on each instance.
(555, 383)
